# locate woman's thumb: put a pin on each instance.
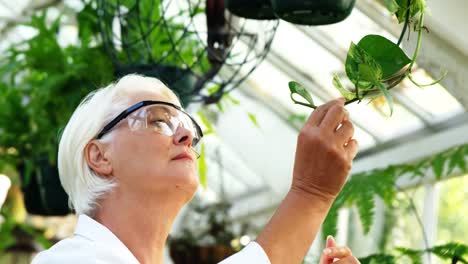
(330, 242)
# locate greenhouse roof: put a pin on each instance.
(251, 161)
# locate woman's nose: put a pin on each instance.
(183, 136)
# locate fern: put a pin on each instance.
(454, 252)
(362, 188)
(378, 259)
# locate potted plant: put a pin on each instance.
(41, 83)
(313, 12)
(211, 241)
(150, 41)
(254, 9)
(20, 240)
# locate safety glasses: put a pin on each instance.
(158, 116)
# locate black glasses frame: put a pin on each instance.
(139, 105)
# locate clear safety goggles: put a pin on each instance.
(158, 116)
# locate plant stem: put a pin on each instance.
(304, 104)
(406, 23)
(418, 44)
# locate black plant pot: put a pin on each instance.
(313, 12)
(254, 9)
(209, 254)
(181, 81)
(42, 191)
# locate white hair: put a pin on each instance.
(83, 186)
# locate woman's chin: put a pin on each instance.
(186, 181)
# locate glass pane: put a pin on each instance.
(453, 209)
(435, 101)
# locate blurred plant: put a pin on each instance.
(362, 188)
(453, 253)
(41, 83)
(210, 238)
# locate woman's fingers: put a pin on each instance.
(331, 242)
(317, 116)
(334, 117)
(352, 148)
(337, 252)
(348, 260)
(345, 132)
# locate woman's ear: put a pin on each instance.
(98, 158)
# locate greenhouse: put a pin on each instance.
(233, 131)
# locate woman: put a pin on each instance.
(127, 161)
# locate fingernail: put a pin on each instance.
(327, 251)
(342, 99)
(330, 238)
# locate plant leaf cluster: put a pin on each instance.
(41, 83)
(375, 64)
(362, 188)
(452, 252)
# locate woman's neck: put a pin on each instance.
(141, 224)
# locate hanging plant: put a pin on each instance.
(375, 65)
(254, 9)
(313, 12)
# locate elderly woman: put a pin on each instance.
(127, 163)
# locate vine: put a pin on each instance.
(375, 64)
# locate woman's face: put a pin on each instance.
(143, 161)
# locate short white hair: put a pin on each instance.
(83, 186)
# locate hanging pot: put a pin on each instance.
(313, 12)
(42, 190)
(181, 81)
(209, 254)
(254, 9)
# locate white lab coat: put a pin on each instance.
(95, 243)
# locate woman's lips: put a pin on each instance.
(183, 155)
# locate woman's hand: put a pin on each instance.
(325, 151)
(324, 154)
(335, 254)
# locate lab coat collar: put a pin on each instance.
(95, 231)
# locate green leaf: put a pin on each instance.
(365, 205)
(438, 165)
(387, 54)
(359, 62)
(206, 123)
(331, 221)
(232, 99)
(219, 105)
(391, 5)
(253, 119)
(415, 7)
(202, 167)
(387, 179)
(387, 95)
(367, 73)
(297, 88)
(414, 255)
(378, 259)
(450, 250)
(457, 160)
(344, 92)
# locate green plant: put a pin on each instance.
(208, 239)
(41, 83)
(454, 252)
(375, 64)
(362, 188)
